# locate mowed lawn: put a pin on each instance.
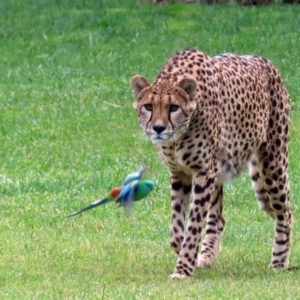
(68, 134)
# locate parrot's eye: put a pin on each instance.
(173, 107)
(148, 107)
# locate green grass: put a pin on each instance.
(68, 133)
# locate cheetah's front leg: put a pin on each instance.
(181, 186)
(214, 229)
(201, 202)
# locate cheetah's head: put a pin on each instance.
(164, 109)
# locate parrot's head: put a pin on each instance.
(148, 185)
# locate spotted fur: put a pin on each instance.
(210, 119)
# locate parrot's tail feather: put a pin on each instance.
(75, 213)
(100, 202)
(94, 204)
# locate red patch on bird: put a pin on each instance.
(115, 192)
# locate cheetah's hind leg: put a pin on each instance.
(272, 192)
(259, 186)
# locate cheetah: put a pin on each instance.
(211, 118)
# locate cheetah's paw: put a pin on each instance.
(179, 276)
(203, 262)
(278, 265)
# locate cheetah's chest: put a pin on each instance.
(228, 162)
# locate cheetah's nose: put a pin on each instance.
(159, 128)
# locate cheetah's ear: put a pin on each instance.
(189, 85)
(138, 83)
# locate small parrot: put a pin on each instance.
(132, 190)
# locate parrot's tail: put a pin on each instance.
(94, 204)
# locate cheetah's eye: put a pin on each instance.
(173, 107)
(148, 107)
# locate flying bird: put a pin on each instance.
(133, 189)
